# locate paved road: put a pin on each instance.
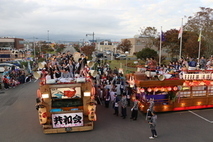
(19, 123)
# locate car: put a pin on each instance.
(14, 62)
(108, 52)
(4, 66)
(121, 56)
(116, 54)
(100, 55)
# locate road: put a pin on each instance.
(19, 123)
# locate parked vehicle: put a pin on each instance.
(108, 52)
(14, 62)
(121, 56)
(4, 66)
(100, 55)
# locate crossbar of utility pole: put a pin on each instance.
(93, 34)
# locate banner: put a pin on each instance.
(67, 120)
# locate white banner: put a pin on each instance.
(67, 120)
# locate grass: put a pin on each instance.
(122, 64)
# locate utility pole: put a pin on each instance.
(83, 41)
(34, 45)
(48, 36)
(93, 37)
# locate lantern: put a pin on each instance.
(201, 83)
(142, 90)
(191, 83)
(169, 88)
(175, 88)
(149, 89)
(162, 89)
(155, 89)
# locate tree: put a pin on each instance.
(77, 47)
(171, 42)
(148, 31)
(202, 20)
(146, 53)
(191, 45)
(151, 33)
(87, 50)
(125, 45)
(59, 47)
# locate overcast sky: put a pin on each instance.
(71, 20)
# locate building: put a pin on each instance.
(107, 45)
(139, 43)
(11, 48)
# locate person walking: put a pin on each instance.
(134, 110)
(123, 106)
(107, 99)
(152, 125)
(116, 105)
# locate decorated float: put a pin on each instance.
(192, 89)
(65, 104)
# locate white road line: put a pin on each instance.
(200, 116)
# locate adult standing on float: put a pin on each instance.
(152, 65)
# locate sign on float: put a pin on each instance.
(67, 120)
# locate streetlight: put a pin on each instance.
(34, 45)
(126, 52)
(93, 37)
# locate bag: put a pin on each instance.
(116, 104)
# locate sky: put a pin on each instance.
(71, 20)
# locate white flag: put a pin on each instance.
(180, 33)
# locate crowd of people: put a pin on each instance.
(12, 77)
(112, 89)
(178, 68)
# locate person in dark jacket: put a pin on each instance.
(152, 125)
(134, 110)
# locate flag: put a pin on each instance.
(162, 36)
(199, 38)
(180, 33)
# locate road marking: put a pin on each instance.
(200, 116)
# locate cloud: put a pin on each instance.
(73, 19)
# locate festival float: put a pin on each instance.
(65, 104)
(173, 92)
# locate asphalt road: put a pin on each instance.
(19, 123)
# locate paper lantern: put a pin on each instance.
(149, 89)
(155, 89)
(142, 90)
(162, 89)
(175, 88)
(169, 88)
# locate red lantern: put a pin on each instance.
(191, 83)
(142, 90)
(202, 83)
(155, 89)
(175, 88)
(162, 89)
(169, 88)
(149, 89)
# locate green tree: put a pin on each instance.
(125, 45)
(146, 53)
